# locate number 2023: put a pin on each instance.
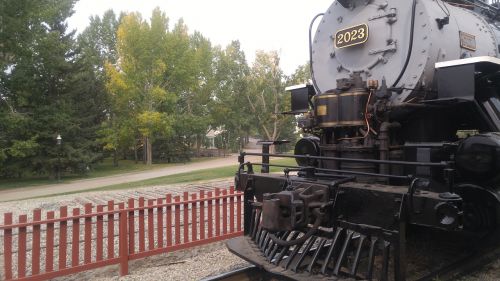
(349, 36)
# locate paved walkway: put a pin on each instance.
(81, 185)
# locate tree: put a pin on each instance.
(98, 41)
(137, 81)
(230, 108)
(48, 90)
(191, 75)
(97, 44)
(301, 75)
(266, 96)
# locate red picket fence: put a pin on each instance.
(105, 235)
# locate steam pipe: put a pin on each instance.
(311, 52)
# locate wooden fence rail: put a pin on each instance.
(106, 235)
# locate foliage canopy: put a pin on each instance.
(126, 86)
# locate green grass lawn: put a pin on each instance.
(105, 168)
(190, 177)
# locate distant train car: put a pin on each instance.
(403, 121)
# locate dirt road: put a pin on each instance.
(81, 185)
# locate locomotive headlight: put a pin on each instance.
(478, 157)
(308, 146)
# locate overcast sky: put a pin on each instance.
(259, 24)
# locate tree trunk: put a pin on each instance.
(144, 150)
(115, 158)
(272, 149)
(198, 145)
(149, 155)
(136, 157)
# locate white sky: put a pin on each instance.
(259, 24)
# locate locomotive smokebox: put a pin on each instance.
(397, 40)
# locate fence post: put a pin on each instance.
(194, 221)
(177, 215)
(123, 250)
(217, 212)
(231, 210)
(224, 212)
(209, 215)
(21, 253)
(202, 214)
(100, 234)
(7, 246)
(111, 229)
(151, 227)
(49, 244)
(35, 257)
(131, 226)
(169, 220)
(88, 235)
(238, 212)
(142, 239)
(185, 218)
(75, 244)
(159, 223)
(63, 232)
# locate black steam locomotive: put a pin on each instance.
(401, 128)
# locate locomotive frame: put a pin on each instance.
(346, 215)
(377, 160)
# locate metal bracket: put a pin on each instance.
(392, 14)
(390, 48)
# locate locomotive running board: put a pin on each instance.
(352, 251)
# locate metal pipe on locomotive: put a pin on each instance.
(402, 122)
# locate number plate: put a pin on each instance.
(351, 36)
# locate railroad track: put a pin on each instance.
(468, 264)
(250, 273)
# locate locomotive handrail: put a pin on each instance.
(337, 171)
(442, 164)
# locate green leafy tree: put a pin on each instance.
(137, 81)
(230, 108)
(267, 97)
(97, 43)
(43, 83)
(301, 75)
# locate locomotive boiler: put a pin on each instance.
(401, 128)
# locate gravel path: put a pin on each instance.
(81, 185)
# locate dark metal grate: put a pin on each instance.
(353, 251)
